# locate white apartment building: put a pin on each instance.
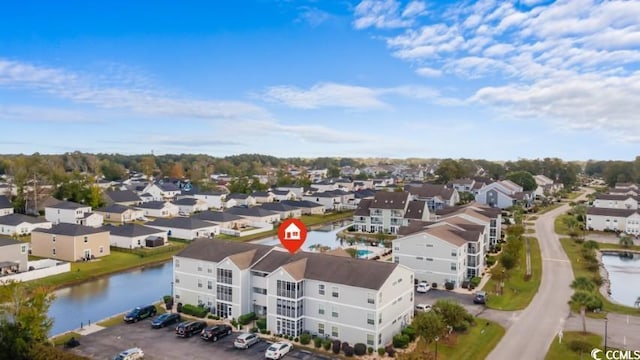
(388, 211)
(616, 201)
(619, 220)
(357, 301)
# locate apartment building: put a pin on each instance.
(388, 211)
(616, 201)
(355, 301)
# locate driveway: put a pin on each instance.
(160, 344)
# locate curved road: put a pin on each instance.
(532, 332)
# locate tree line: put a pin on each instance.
(615, 171)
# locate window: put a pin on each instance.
(290, 289)
(86, 239)
(139, 242)
(454, 252)
(454, 266)
(419, 258)
(334, 331)
(23, 249)
(396, 248)
(209, 269)
(225, 276)
(334, 292)
(429, 259)
(224, 293)
(334, 312)
(321, 289)
(371, 298)
(199, 283)
(53, 251)
(177, 280)
(429, 245)
(290, 308)
(380, 319)
(396, 259)
(370, 339)
(321, 309)
(199, 267)
(371, 318)
(210, 284)
(321, 329)
(261, 291)
(101, 249)
(177, 263)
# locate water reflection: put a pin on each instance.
(325, 236)
(624, 272)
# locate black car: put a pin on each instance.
(213, 333)
(165, 319)
(480, 298)
(139, 313)
(189, 328)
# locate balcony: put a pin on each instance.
(376, 221)
(376, 213)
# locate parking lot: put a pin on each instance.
(164, 344)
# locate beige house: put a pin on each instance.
(13, 256)
(70, 242)
(119, 213)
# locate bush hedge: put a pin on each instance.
(305, 339)
(381, 351)
(261, 323)
(194, 310)
(360, 349)
(246, 318)
(348, 351)
(317, 342)
(326, 344)
(335, 347)
(400, 341)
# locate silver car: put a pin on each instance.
(246, 340)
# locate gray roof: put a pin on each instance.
(610, 212)
(122, 196)
(70, 230)
(68, 205)
(5, 203)
(363, 207)
(181, 223)
(260, 194)
(168, 187)
(324, 194)
(16, 219)
(252, 212)
(619, 197)
(185, 201)
(430, 191)
(216, 216)
(151, 205)
(364, 193)
(279, 207)
(131, 230)
(301, 203)
(115, 209)
(390, 200)
(6, 241)
(282, 192)
(217, 250)
(415, 209)
(237, 196)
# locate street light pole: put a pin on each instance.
(436, 339)
(606, 321)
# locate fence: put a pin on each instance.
(42, 268)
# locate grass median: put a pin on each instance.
(518, 291)
(476, 343)
(575, 345)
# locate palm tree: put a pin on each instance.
(626, 241)
(582, 283)
(637, 304)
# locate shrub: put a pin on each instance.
(590, 244)
(268, 332)
(348, 351)
(246, 318)
(305, 339)
(370, 350)
(263, 331)
(360, 349)
(194, 310)
(400, 341)
(490, 261)
(448, 285)
(597, 279)
(234, 323)
(381, 351)
(410, 332)
(317, 342)
(167, 298)
(326, 344)
(261, 323)
(344, 345)
(296, 339)
(254, 330)
(579, 346)
(390, 351)
(335, 347)
(475, 281)
(508, 261)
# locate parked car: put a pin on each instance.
(423, 308)
(423, 287)
(165, 319)
(140, 312)
(278, 350)
(213, 333)
(189, 328)
(131, 354)
(246, 340)
(480, 297)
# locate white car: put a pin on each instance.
(278, 350)
(423, 308)
(423, 287)
(131, 354)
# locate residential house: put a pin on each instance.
(6, 207)
(255, 214)
(282, 195)
(330, 200)
(263, 197)
(285, 211)
(627, 186)
(546, 186)
(616, 201)
(462, 185)
(297, 191)
(437, 196)
(119, 213)
(70, 242)
(612, 219)
(317, 174)
(187, 206)
(131, 236)
(162, 192)
(325, 185)
(158, 209)
(388, 211)
(122, 197)
(362, 185)
(490, 218)
(306, 207)
(630, 191)
(214, 199)
(18, 224)
(146, 197)
(238, 199)
(501, 194)
(13, 256)
(185, 228)
(358, 301)
(72, 213)
(224, 219)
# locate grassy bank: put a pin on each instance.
(573, 250)
(117, 261)
(61, 339)
(476, 343)
(564, 351)
(548, 208)
(559, 224)
(518, 292)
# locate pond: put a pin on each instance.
(323, 236)
(624, 272)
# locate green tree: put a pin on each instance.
(582, 283)
(453, 314)
(626, 241)
(585, 301)
(508, 261)
(522, 178)
(428, 325)
(449, 169)
(333, 172)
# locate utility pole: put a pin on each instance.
(35, 195)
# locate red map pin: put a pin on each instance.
(292, 234)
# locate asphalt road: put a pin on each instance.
(161, 344)
(534, 328)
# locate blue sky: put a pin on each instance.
(487, 79)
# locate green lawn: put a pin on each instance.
(518, 293)
(561, 351)
(560, 227)
(60, 340)
(476, 343)
(573, 195)
(573, 252)
(607, 246)
(530, 231)
(117, 261)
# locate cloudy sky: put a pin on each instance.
(378, 78)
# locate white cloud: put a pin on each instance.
(46, 114)
(387, 14)
(308, 133)
(87, 89)
(428, 72)
(342, 96)
(414, 8)
(313, 16)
